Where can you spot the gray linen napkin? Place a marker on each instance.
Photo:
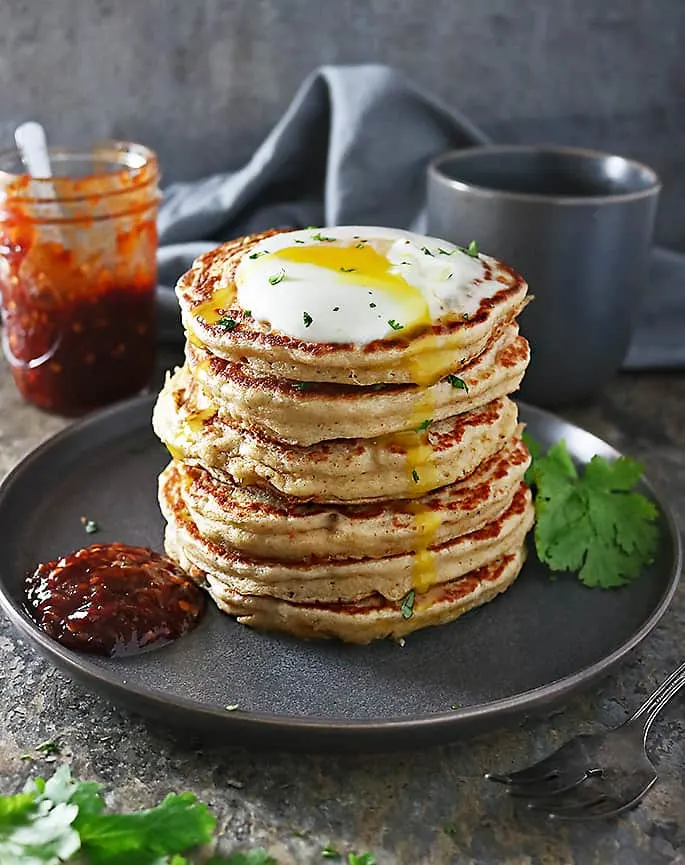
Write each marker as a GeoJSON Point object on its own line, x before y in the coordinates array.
{"type": "Point", "coordinates": [352, 148]}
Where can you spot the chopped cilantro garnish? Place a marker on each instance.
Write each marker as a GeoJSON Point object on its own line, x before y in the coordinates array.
{"type": "Point", "coordinates": [394, 325]}
{"type": "Point", "coordinates": [306, 317]}
{"type": "Point", "coordinates": [445, 251]}
{"type": "Point", "coordinates": [424, 425]}
{"type": "Point", "coordinates": [297, 240]}
{"type": "Point", "coordinates": [592, 522]}
{"type": "Point", "coordinates": [372, 305]}
{"type": "Point", "coordinates": [471, 249]}
{"type": "Point", "coordinates": [426, 251]}
{"type": "Point", "coordinates": [348, 269]}
{"type": "Point", "coordinates": [457, 382]}
{"type": "Point", "coordinates": [258, 254]}
{"type": "Point", "coordinates": [329, 852]}
{"type": "Point", "coordinates": [361, 244]}
{"type": "Point", "coordinates": [322, 238]}
{"type": "Point", "coordinates": [227, 323]}
{"type": "Point", "coordinates": [277, 277]}
{"type": "Point", "coordinates": [407, 605]}
{"type": "Point", "coordinates": [415, 475]}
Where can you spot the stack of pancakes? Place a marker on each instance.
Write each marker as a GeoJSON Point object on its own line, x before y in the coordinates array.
{"type": "Point", "coordinates": [345, 489]}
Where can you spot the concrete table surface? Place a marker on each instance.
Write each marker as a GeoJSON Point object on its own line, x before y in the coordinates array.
{"type": "Point", "coordinates": [412, 808]}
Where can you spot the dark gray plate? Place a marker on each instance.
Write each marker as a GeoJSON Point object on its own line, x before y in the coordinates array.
{"type": "Point", "coordinates": [531, 647]}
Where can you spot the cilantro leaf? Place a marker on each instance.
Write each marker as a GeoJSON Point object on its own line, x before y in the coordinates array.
{"type": "Point", "coordinates": [35, 830]}
{"type": "Point", "coordinates": [361, 859]}
{"type": "Point", "coordinates": [458, 382]}
{"type": "Point", "coordinates": [177, 824]}
{"type": "Point", "coordinates": [14, 809]}
{"type": "Point", "coordinates": [593, 522]}
{"type": "Point", "coordinates": [407, 605]}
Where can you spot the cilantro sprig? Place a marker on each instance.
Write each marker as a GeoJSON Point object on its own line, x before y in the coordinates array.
{"type": "Point", "coordinates": [591, 522]}
{"type": "Point", "coordinates": [65, 820]}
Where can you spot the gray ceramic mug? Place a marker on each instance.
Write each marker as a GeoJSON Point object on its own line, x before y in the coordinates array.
{"type": "Point", "coordinates": [577, 224]}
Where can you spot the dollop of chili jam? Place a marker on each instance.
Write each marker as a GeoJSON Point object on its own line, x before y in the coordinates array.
{"type": "Point", "coordinates": [113, 599]}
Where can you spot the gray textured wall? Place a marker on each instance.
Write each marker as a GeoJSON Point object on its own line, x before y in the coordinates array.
{"type": "Point", "coordinates": [202, 81]}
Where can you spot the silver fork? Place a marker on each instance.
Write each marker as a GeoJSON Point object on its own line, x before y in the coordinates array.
{"type": "Point", "coordinates": [596, 775]}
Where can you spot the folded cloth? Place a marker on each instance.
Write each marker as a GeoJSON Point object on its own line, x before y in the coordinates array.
{"type": "Point", "coordinates": [352, 148]}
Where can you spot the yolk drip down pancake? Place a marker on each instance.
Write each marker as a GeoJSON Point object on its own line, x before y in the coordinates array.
{"type": "Point", "coordinates": [346, 461]}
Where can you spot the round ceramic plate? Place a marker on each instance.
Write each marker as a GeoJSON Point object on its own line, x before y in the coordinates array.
{"type": "Point", "coordinates": [529, 648]}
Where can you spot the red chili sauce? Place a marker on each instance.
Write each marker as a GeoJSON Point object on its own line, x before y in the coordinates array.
{"type": "Point", "coordinates": [78, 340]}
{"type": "Point", "coordinates": [78, 307]}
{"type": "Point", "coordinates": [113, 599]}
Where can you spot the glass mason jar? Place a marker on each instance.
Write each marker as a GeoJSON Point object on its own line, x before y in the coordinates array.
{"type": "Point", "coordinates": [78, 275]}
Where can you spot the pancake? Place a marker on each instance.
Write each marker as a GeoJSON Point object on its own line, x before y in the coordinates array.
{"type": "Point", "coordinates": [353, 470]}
{"type": "Point", "coordinates": [262, 524]}
{"type": "Point", "coordinates": [346, 460]}
{"type": "Point", "coordinates": [372, 618]}
{"type": "Point", "coordinates": [322, 579]}
{"type": "Point", "coordinates": [315, 413]}
{"type": "Point", "coordinates": [207, 292]}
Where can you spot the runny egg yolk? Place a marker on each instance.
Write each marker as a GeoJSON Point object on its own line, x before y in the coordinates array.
{"type": "Point", "coordinates": [422, 476]}
{"type": "Point", "coordinates": [361, 262]}
{"type": "Point", "coordinates": [210, 311]}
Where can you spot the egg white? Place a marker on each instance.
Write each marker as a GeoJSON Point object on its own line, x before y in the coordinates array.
{"type": "Point", "coordinates": [412, 281]}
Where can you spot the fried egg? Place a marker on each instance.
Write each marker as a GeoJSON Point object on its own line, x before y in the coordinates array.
{"type": "Point", "coordinates": [357, 284]}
